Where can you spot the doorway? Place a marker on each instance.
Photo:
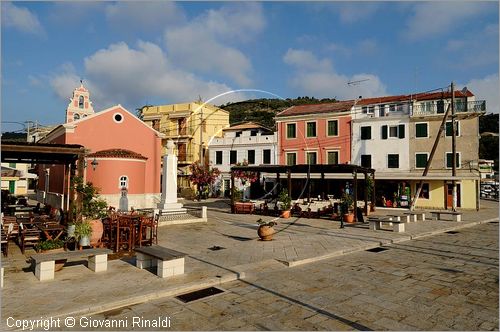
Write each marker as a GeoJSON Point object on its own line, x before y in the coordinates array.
{"type": "Point", "coordinates": [449, 195]}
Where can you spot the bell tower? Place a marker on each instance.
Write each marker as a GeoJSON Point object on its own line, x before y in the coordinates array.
{"type": "Point", "coordinates": [80, 105]}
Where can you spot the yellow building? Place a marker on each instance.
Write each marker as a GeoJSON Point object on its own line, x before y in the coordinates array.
{"type": "Point", "coordinates": [15, 178]}
{"type": "Point", "coordinates": [191, 126]}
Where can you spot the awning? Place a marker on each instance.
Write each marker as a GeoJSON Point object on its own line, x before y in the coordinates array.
{"type": "Point", "coordinates": [8, 172]}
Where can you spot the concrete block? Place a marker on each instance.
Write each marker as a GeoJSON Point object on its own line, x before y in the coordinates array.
{"type": "Point", "coordinates": [99, 258]}
{"type": "Point", "coordinates": [45, 270]}
{"type": "Point", "coordinates": [398, 227]}
{"type": "Point", "coordinates": [374, 225]}
{"type": "Point", "coordinates": [164, 272]}
{"type": "Point", "coordinates": [143, 261]}
{"type": "Point", "coordinates": [98, 267]}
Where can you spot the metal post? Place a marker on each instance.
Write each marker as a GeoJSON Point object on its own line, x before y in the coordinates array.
{"type": "Point", "coordinates": [453, 148]}
{"type": "Point", "coordinates": [355, 193]}
{"type": "Point", "coordinates": [232, 191]}
{"type": "Point", "coordinates": [366, 194]}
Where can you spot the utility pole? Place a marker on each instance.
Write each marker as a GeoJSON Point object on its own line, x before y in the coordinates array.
{"type": "Point", "coordinates": [202, 160]}
{"type": "Point", "coordinates": [453, 148]}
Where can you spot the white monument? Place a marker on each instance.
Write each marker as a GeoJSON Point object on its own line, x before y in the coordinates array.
{"type": "Point", "coordinates": [169, 183]}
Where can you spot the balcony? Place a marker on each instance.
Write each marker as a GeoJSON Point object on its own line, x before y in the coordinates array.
{"type": "Point", "coordinates": [478, 106]}
{"type": "Point", "coordinates": [185, 158]}
{"type": "Point", "coordinates": [182, 132]}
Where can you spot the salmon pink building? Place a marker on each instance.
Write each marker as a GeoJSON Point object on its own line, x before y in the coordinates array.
{"type": "Point", "coordinates": [124, 155]}
{"type": "Point", "coordinates": [315, 134]}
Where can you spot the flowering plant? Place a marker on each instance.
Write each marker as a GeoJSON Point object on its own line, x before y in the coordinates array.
{"type": "Point", "coordinates": [245, 175]}
{"type": "Point", "coordinates": [202, 175]}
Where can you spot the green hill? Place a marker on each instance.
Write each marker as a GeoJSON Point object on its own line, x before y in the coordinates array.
{"type": "Point", "coordinates": [263, 110]}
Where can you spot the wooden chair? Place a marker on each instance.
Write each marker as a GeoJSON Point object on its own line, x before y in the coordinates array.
{"type": "Point", "coordinates": [148, 231]}
{"type": "Point", "coordinates": [4, 242]}
{"type": "Point", "coordinates": [125, 231]}
{"type": "Point", "coordinates": [28, 237]}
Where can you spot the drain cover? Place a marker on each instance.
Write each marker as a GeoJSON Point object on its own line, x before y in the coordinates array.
{"type": "Point", "coordinates": [494, 222]}
{"type": "Point", "coordinates": [378, 249]}
{"type": "Point", "coordinates": [452, 232]}
{"type": "Point", "coordinates": [214, 248]}
{"type": "Point", "coordinates": [199, 294]}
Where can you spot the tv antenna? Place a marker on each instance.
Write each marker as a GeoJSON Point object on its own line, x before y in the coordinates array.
{"type": "Point", "coordinates": [354, 83]}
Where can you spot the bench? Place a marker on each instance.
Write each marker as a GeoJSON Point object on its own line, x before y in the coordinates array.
{"type": "Point", "coordinates": [414, 216]}
{"type": "Point", "coordinates": [45, 263]}
{"type": "Point", "coordinates": [240, 207]}
{"type": "Point", "coordinates": [399, 217]}
{"type": "Point", "coordinates": [168, 262]}
{"type": "Point", "coordinates": [376, 223]}
{"type": "Point", "coordinates": [456, 216]}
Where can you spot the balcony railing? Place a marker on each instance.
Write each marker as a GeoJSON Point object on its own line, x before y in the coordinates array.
{"type": "Point", "coordinates": [185, 157]}
{"type": "Point", "coordinates": [184, 131]}
{"type": "Point", "coordinates": [478, 106]}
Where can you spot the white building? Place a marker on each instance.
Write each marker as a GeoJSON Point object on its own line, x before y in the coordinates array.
{"type": "Point", "coordinates": [247, 142]}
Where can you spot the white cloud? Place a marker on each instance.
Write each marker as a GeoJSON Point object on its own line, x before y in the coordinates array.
{"type": "Point", "coordinates": [131, 77]}
{"type": "Point", "coordinates": [204, 43]}
{"type": "Point", "coordinates": [486, 89]}
{"type": "Point", "coordinates": [432, 19]}
{"type": "Point", "coordinates": [317, 77]}
{"type": "Point", "coordinates": [144, 16]}
{"type": "Point", "coordinates": [21, 18]}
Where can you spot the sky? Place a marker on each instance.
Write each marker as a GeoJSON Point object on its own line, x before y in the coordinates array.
{"type": "Point", "coordinates": [152, 53]}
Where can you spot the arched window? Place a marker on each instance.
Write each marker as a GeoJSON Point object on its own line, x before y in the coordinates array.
{"type": "Point", "coordinates": [80, 102]}
{"type": "Point", "coordinates": [123, 183]}
{"type": "Point", "coordinates": [76, 116]}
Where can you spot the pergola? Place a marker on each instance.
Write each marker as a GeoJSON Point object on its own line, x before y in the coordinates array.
{"type": "Point", "coordinates": [347, 171]}
{"type": "Point", "coordinates": [71, 155]}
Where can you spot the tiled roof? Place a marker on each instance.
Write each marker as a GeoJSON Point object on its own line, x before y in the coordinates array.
{"type": "Point", "coordinates": [117, 153]}
{"type": "Point", "coordinates": [246, 125]}
{"type": "Point", "coordinates": [340, 106]}
{"type": "Point", "coordinates": [417, 96]}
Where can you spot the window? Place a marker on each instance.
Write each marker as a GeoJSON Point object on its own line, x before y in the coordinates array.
{"type": "Point", "coordinates": [449, 161]}
{"type": "Point", "coordinates": [118, 118]}
{"type": "Point", "coordinates": [393, 161]}
{"type": "Point", "coordinates": [251, 157]}
{"type": "Point", "coordinates": [12, 165]}
{"type": "Point", "coordinates": [253, 133]}
{"type": "Point", "coordinates": [80, 102]}
{"type": "Point", "coordinates": [421, 130]}
{"type": "Point", "coordinates": [364, 109]}
{"type": "Point", "coordinates": [311, 158]}
{"type": "Point", "coordinates": [156, 125]}
{"type": "Point", "coordinates": [333, 127]}
{"type": "Point", "coordinates": [332, 157]}
{"type": "Point", "coordinates": [232, 157]}
{"type": "Point", "coordinates": [425, 192]}
{"type": "Point", "coordinates": [123, 182]}
{"type": "Point", "coordinates": [381, 110]}
{"type": "Point", "coordinates": [218, 157]}
{"type": "Point", "coordinates": [366, 132]}
{"type": "Point", "coordinates": [291, 130]}
{"type": "Point", "coordinates": [366, 160]}
{"type": "Point", "coordinates": [76, 116]}
{"type": "Point", "coordinates": [449, 131]}
{"type": "Point", "coordinates": [440, 106]}
{"type": "Point", "coordinates": [311, 129]}
{"type": "Point", "coordinates": [291, 158]}
{"type": "Point", "coordinates": [392, 108]}
{"type": "Point", "coordinates": [426, 107]}
{"type": "Point", "coordinates": [393, 131]}
{"type": "Point", "coordinates": [421, 160]}
{"type": "Point", "coordinates": [266, 157]}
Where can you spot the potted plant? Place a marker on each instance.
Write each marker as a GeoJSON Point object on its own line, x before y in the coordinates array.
{"type": "Point", "coordinates": [346, 205]}
{"type": "Point", "coordinates": [265, 230]}
{"type": "Point", "coordinates": [52, 246]}
{"type": "Point", "coordinates": [83, 231]}
{"type": "Point", "coordinates": [286, 203]}
{"type": "Point", "coordinates": [93, 210]}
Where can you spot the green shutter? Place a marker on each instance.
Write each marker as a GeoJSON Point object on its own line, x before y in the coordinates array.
{"type": "Point", "coordinates": [401, 131]}
{"type": "Point", "coordinates": [384, 132]}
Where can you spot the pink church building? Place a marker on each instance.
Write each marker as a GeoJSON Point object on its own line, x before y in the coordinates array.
{"type": "Point", "coordinates": [123, 152]}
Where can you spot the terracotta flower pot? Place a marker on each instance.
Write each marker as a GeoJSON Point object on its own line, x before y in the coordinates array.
{"type": "Point", "coordinates": [285, 214]}
{"type": "Point", "coordinates": [97, 231]}
{"type": "Point", "coordinates": [265, 232]}
{"type": "Point", "coordinates": [348, 217]}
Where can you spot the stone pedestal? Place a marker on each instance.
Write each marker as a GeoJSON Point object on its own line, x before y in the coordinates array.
{"type": "Point", "coordinates": [169, 184]}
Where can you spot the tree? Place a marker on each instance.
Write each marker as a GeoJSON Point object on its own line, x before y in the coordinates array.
{"type": "Point", "coordinates": [203, 177]}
